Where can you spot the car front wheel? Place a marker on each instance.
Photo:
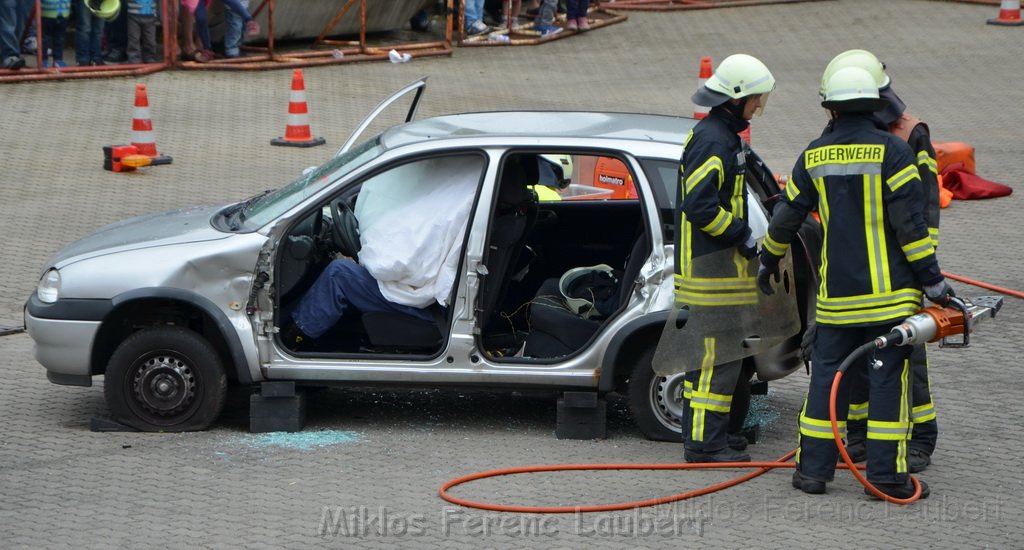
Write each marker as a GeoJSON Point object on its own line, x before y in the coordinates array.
{"type": "Point", "coordinates": [165, 379]}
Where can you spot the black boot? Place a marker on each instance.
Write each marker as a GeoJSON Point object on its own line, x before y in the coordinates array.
{"type": "Point", "coordinates": [900, 490]}
{"type": "Point", "coordinates": [723, 455]}
{"type": "Point", "coordinates": [737, 442]}
{"type": "Point", "coordinates": [918, 461]}
{"type": "Point", "coordinates": [808, 485]}
{"type": "Point", "coordinates": [857, 449]}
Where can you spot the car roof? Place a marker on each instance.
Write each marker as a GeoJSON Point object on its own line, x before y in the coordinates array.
{"type": "Point", "coordinates": [549, 124]}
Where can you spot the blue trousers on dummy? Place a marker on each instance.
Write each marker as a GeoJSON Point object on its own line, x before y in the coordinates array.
{"type": "Point", "coordinates": [344, 284]}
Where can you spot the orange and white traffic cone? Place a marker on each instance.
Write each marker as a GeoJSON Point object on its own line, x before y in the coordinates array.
{"type": "Point", "coordinates": [297, 132]}
{"type": "Point", "coordinates": [700, 111]}
{"type": "Point", "coordinates": [1009, 14]}
{"type": "Point", "coordinates": [142, 127]}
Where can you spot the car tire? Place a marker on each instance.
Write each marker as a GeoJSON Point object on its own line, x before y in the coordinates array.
{"type": "Point", "coordinates": [656, 401]}
{"type": "Point", "coordinates": [166, 379]}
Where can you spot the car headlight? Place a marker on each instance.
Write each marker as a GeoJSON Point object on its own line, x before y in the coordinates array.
{"type": "Point", "coordinates": [48, 290]}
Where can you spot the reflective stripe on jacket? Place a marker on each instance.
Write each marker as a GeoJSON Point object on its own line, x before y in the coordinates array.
{"type": "Point", "coordinates": [877, 252]}
{"type": "Point", "coordinates": [711, 210]}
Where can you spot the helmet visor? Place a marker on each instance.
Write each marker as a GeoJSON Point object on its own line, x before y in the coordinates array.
{"type": "Point", "coordinates": [762, 104]}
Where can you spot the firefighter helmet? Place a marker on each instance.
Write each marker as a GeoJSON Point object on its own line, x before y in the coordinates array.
{"type": "Point", "coordinates": [852, 89]}
{"type": "Point", "coordinates": [856, 58]}
{"type": "Point", "coordinates": [738, 76]}
{"type": "Point", "coordinates": [104, 9]}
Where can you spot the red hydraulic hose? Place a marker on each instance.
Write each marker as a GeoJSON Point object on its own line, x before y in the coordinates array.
{"type": "Point", "coordinates": [982, 284]}
{"type": "Point", "coordinates": [849, 462]}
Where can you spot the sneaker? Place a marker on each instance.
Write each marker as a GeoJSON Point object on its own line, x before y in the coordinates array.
{"type": "Point", "coordinates": [583, 23]}
{"type": "Point", "coordinates": [14, 62]}
{"type": "Point", "coordinates": [60, 64]}
{"type": "Point", "coordinates": [857, 450]}
{"type": "Point", "coordinates": [30, 45]}
{"type": "Point", "coordinates": [252, 28]}
{"type": "Point", "coordinates": [918, 461]}
{"type": "Point", "coordinates": [808, 485]}
{"type": "Point", "coordinates": [724, 455]}
{"type": "Point", "coordinates": [115, 56]}
{"type": "Point", "coordinates": [899, 490]}
{"type": "Point", "coordinates": [571, 25]}
{"type": "Point", "coordinates": [547, 30]}
{"type": "Point", "coordinates": [478, 27]}
{"type": "Point", "coordinates": [736, 441]}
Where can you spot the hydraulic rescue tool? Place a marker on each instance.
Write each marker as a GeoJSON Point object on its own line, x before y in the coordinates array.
{"type": "Point", "coordinates": [931, 324]}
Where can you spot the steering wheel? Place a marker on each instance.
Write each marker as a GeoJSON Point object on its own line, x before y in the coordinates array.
{"type": "Point", "coordinates": [345, 228]}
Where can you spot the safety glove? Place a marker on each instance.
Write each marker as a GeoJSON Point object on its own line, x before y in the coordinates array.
{"type": "Point", "coordinates": [748, 249]}
{"type": "Point", "coordinates": [769, 269]}
{"type": "Point", "coordinates": [940, 293]}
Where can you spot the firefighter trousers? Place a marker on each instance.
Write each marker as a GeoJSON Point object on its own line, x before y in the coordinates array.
{"type": "Point", "coordinates": [707, 401]}
{"type": "Point", "coordinates": [922, 414]}
{"type": "Point", "coordinates": [888, 424]}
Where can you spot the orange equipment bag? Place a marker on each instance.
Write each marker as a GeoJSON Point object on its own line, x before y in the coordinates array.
{"type": "Point", "coordinates": [952, 152]}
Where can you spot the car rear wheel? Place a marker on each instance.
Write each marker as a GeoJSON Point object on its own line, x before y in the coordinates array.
{"type": "Point", "coordinates": [657, 401]}
{"type": "Point", "coordinates": [165, 379]}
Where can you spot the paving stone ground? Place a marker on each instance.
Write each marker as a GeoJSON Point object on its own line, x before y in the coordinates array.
{"type": "Point", "coordinates": [365, 472]}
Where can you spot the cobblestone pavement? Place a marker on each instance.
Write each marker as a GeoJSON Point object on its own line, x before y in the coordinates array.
{"type": "Point", "coordinates": [365, 472]}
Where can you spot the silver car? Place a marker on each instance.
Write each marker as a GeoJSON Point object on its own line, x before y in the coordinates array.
{"type": "Point", "coordinates": [172, 308]}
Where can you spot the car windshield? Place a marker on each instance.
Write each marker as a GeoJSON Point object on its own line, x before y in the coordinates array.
{"type": "Point", "coordinates": [263, 209]}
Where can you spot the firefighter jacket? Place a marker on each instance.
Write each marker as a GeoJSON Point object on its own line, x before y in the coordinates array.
{"type": "Point", "coordinates": [711, 210]}
{"type": "Point", "coordinates": [876, 252]}
{"type": "Point", "coordinates": [916, 134]}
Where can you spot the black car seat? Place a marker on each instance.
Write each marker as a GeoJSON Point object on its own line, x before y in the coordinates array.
{"type": "Point", "coordinates": [515, 215]}
{"type": "Point", "coordinates": [555, 330]}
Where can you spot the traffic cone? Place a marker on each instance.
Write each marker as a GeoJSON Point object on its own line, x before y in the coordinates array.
{"type": "Point", "coordinates": [297, 133]}
{"type": "Point", "coordinates": [142, 127]}
{"type": "Point", "coordinates": [700, 111]}
{"type": "Point", "coordinates": [1009, 14]}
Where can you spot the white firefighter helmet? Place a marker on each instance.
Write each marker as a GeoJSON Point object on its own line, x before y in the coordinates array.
{"type": "Point", "coordinates": [738, 76]}
{"type": "Point", "coordinates": [856, 58]}
{"type": "Point", "coordinates": [852, 89]}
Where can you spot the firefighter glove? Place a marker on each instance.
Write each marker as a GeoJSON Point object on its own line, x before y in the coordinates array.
{"type": "Point", "coordinates": [769, 269]}
{"type": "Point", "coordinates": [748, 249]}
{"type": "Point", "coordinates": [939, 293]}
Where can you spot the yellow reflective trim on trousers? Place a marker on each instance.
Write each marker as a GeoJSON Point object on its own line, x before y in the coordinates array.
{"type": "Point", "coordinates": [926, 160]}
{"type": "Point", "coordinates": [922, 413]}
{"type": "Point", "coordinates": [718, 225]}
{"type": "Point", "coordinates": [774, 247]}
{"type": "Point", "coordinates": [887, 430]}
{"type": "Point", "coordinates": [874, 228]}
{"type": "Point", "coordinates": [698, 175]}
{"type": "Point", "coordinates": [707, 370]}
{"type": "Point", "coordinates": [902, 177]}
{"type": "Point", "coordinates": [819, 429]}
{"type": "Point", "coordinates": [858, 411]}
{"type": "Point", "coordinates": [711, 401]}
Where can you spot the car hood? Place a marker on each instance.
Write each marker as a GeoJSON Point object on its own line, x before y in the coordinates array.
{"type": "Point", "coordinates": [167, 228]}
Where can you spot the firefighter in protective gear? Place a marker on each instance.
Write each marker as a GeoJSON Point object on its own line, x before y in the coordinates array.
{"type": "Point", "coordinates": [875, 259]}
{"type": "Point", "coordinates": [915, 133]}
{"type": "Point", "coordinates": [712, 212]}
